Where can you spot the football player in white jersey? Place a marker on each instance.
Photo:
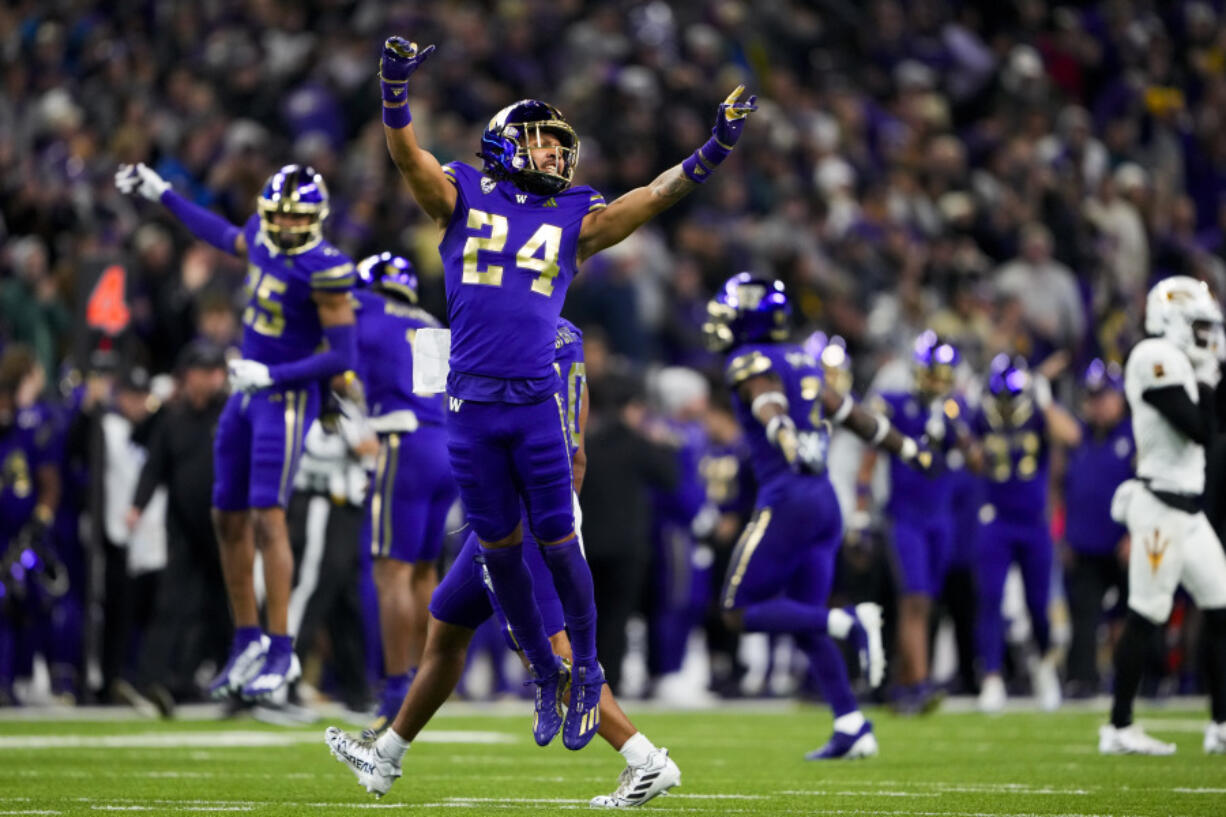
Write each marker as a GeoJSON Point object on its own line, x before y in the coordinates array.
{"type": "Point", "coordinates": [1169, 380]}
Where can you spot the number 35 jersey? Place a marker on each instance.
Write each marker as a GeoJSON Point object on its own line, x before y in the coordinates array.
{"type": "Point", "coordinates": [802, 382]}
{"type": "Point", "coordinates": [508, 258]}
{"type": "Point", "coordinates": [280, 320]}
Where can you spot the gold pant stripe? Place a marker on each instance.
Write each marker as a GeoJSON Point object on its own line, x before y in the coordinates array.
{"type": "Point", "coordinates": [291, 424]}
{"type": "Point", "coordinates": [389, 490]}
{"type": "Point", "coordinates": [376, 500]}
{"type": "Point", "coordinates": [750, 539]}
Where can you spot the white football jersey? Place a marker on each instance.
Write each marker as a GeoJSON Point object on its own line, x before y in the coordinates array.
{"type": "Point", "coordinates": [1168, 458]}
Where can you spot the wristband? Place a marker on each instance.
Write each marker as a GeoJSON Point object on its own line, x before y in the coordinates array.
{"type": "Point", "coordinates": [702, 163]}
{"type": "Point", "coordinates": [844, 409]}
{"type": "Point", "coordinates": [766, 399]}
{"type": "Point", "coordinates": [395, 94]}
{"type": "Point", "coordinates": [883, 428]}
{"type": "Point", "coordinates": [908, 449]}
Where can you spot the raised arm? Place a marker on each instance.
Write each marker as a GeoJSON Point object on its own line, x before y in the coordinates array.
{"type": "Point", "coordinates": [204, 225]}
{"type": "Point", "coordinates": [430, 188]}
{"type": "Point", "coordinates": [608, 226]}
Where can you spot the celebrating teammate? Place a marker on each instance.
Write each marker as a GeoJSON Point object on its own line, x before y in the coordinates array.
{"type": "Point", "coordinates": [1169, 381]}
{"type": "Point", "coordinates": [298, 296]}
{"type": "Point", "coordinates": [514, 235]}
{"type": "Point", "coordinates": [1016, 425]}
{"type": "Point", "coordinates": [782, 570]}
{"type": "Point", "coordinates": [920, 508]}
{"type": "Point", "coordinates": [464, 601]}
{"type": "Point", "coordinates": [407, 504]}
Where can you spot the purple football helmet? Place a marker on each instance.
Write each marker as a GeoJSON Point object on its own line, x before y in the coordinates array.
{"type": "Point", "coordinates": [934, 360]}
{"type": "Point", "coordinates": [389, 273]}
{"type": "Point", "coordinates": [1009, 388]}
{"type": "Point", "coordinates": [517, 130]}
{"type": "Point", "coordinates": [1101, 376]}
{"type": "Point", "coordinates": [294, 190]}
{"type": "Point", "coordinates": [747, 308]}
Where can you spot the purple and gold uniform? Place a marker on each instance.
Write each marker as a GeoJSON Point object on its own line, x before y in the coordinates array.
{"type": "Point", "coordinates": [465, 596]}
{"type": "Point", "coordinates": [259, 436]}
{"type": "Point", "coordinates": [25, 446]}
{"type": "Point", "coordinates": [508, 257]}
{"type": "Point", "coordinates": [1013, 521]}
{"type": "Point", "coordinates": [921, 505]}
{"type": "Point", "coordinates": [412, 488]}
{"type": "Point", "coordinates": [789, 545]}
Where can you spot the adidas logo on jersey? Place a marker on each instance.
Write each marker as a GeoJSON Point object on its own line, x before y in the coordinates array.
{"type": "Point", "coordinates": [551, 202]}
{"type": "Point", "coordinates": [455, 402]}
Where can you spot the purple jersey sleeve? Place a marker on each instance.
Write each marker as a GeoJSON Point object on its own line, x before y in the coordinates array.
{"type": "Point", "coordinates": [281, 320]}
{"type": "Point", "coordinates": [508, 258]}
{"type": "Point", "coordinates": [387, 329]}
{"type": "Point", "coordinates": [801, 379]}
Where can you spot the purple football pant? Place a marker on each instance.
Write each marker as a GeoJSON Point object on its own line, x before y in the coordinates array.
{"type": "Point", "coordinates": [671, 613]}
{"type": "Point", "coordinates": [409, 497]}
{"type": "Point", "coordinates": [502, 451]}
{"type": "Point", "coordinates": [465, 596]}
{"type": "Point", "coordinates": [1001, 543]}
{"type": "Point", "coordinates": [257, 447]}
{"type": "Point", "coordinates": [922, 549]}
{"type": "Point", "coordinates": [787, 552]}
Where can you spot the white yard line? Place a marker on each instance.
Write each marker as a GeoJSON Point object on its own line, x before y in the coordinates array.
{"type": "Point", "coordinates": [224, 739]}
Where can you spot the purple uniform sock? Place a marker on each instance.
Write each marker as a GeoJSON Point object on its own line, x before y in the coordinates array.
{"type": "Point", "coordinates": [831, 671]}
{"type": "Point", "coordinates": [783, 615]}
{"type": "Point", "coordinates": [513, 589]}
{"type": "Point", "coordinates": [573, 579]}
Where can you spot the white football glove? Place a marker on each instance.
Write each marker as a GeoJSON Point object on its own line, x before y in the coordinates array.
{"type": "Point", "coordinates": [248, 376]}
{"type": "Point", "coordinates": [141, 179]}
{"type": "Point", "coordinates": [1208, 369]}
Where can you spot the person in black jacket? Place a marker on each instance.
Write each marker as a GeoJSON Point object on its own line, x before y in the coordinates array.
{"type": "Point", "coordinates": [623, 465]}
{"type": "Point", "coordinates": [191, 620]}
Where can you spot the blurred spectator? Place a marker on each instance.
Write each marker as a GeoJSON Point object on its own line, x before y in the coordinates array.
{"type": "Point", "coordinates": [190, 622]}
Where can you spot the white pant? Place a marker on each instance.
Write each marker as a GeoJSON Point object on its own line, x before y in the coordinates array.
{"type": "Point", "coordinates": [1169, 547]}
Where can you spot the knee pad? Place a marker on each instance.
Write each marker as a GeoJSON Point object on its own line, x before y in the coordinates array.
{"type": "Point", "coordinates": [553, 526]}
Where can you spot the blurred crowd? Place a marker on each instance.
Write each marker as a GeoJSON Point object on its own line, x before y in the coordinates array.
{"type": "Point", "coordinates": [1013, 175]}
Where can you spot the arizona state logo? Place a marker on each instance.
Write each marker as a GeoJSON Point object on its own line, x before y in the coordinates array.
{"type": "Point", "coordinates": [1155, 548]}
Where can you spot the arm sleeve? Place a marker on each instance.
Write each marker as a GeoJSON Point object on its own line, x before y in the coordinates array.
{"type": "Point", "coordinates": [204, 225]}
{"type": "Point", "coordinates": [1176, 406]}
{"type": "Point", "coordinates": [341, 354]}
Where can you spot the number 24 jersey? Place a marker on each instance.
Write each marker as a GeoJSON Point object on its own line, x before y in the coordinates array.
{"type": "Point", "coordinates": [508, 258]}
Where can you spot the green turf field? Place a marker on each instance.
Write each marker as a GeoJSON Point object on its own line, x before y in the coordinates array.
{"type": "Point", "coordinates": [733, 762]}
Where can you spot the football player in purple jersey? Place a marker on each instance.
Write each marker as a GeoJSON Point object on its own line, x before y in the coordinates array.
{"type": "Point", "coordinates": [920, 506]}
{"type": "Point", "coordinates": [298, 331]}
{"type": "Point", "coordinates": [412, 490]}
{"type": "Point", "coordinates": [514, 234]}
{"type": "Point", "coordinates": [465, 600]}
{"type": "Point", "coordinates": [1016, 425]}
{"type": "Point", "coordinates": [782, 570]}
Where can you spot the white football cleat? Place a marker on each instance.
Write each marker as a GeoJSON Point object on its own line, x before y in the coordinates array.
{"type": "Point", "coordinates": [375, 772]}
{"type": "Point", "coordinates": [1131, 740]}
{"type": "Point", "coordinates": [992, 695]}
{"type": "Point", "coordinates": [1046, 683]}
{"type": "Point", "coordinates": [1215, 739]}
{"type": "Point", "coordinates": [637, 785]}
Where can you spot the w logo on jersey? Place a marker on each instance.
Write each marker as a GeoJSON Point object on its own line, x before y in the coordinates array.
{"type": "Point", "coordinates": [1155, 548]}
{"type": "Point", "coordinates": [455, 403]}
{"type": "Point", "coordinates": [521, 198]}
